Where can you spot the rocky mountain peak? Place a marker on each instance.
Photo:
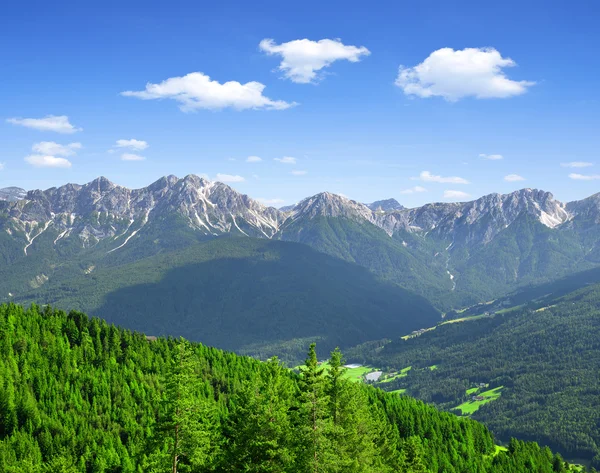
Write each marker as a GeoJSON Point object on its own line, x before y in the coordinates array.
{"type": "Point", "coordinates": [326, 204]}
{"type": "Point", "coordinates": [12, 194]}
{"type": "Point", "coordinates": [387, 205]}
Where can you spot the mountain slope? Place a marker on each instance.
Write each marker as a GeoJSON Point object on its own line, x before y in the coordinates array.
{"type": "Point", "coordinates": [79, 395]}
{"type": "Point", "coordinates": [544, 353]}
{"type": "Point", "coordinates": [253, 296]}
{"type": "Point", "coordinates": [455, 254]}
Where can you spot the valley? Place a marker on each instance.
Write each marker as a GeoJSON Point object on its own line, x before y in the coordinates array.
{"type": "Point", "coordinates": [427, 302]}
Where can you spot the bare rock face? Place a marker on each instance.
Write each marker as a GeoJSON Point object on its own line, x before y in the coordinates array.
{"type": "Point", "coordinates": [386, 205]}
{"type": "Point", "coordinates": [12, 194]}
{"type": "Point", "coordinates": [326, 204]}
{"type": "Point", "coordinates": [101, 210]}
{"type": "Point", "coordinates": [478, 221]}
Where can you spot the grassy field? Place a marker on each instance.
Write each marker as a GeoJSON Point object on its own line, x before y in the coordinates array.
{"type": "Point", "coordinates": [469, 407]}
{"type": "Point", "coordinates": [356, 374]}
{"type": "Point", "coordinates": [403, 372]}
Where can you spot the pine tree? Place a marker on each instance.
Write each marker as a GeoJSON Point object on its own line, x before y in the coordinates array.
{"type": "Point", "coordinates": [412, 456]}
{"type": "Point", "coordinates": [352, 434]}
{"type": "Point", "coordinates": [259, 428]}
{"type": "Point", "coordinates": [186, 430]}
{"type": "Point", "coordinates": [313, 422]}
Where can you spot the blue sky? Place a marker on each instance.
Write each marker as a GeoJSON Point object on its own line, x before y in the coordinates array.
{"type": "Point", "coordinates": [336, 103]}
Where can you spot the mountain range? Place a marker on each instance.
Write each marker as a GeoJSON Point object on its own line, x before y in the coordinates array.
{"type": "Point", "coordinates": [453, 254]}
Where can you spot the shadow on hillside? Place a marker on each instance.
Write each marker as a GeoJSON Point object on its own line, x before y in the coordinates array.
{"type": "Point", "coordinates": [262, 301]}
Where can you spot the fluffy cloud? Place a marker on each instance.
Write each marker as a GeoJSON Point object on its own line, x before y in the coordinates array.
{"type": "Point", "coordinates": [196, 91]}
{"type": "Point", "coordinates": [229, 178]}
{"type": "Point", "coordinates": [253, 159]}
{"type": "Point", "coordinates": [49, 154]}
{"type": "Point", "coordinates": [59, 124]}
{"type": "Point", "coordinates": [453, 75]}
{"type": "Point", "coordinates": [426, 176]}
{"type": "Point", "coordinates": [584, 177]}
{"type": "Point", "coordinates": [286, 160]}
{"type": "Point", "coordinates": [43, 161]}
{"type": "Point", "coordinates": [413, 190]}
{"type": "Point", "coordinates": [302, 59]}
{"type": "Point", "coordinates": [54, 149]}
{"type": "Point", "coordinates": [137, 145]}
{"type": "Point", "coordinates": [576, 164]}
{"type": "Point", "coordinates": [270, 202]}
{"type": "Point", "coordinates": [513, 178]}
{"type": "Point", "coordinates": [299, 173]}
{"type": "Point", "coordinates": [455, 195]}
{"type": "Point", "coordinates": [132, 157]}
{"type": "Point", "coordinates": [491, 157]}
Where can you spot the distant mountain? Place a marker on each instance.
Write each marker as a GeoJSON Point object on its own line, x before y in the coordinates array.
{"type": "Point", "coordinates": [254, 296]}
{"type": "Point", "coordinates": [385, 205]}
{"type": "Point", "coordinates": [12, 193]}
{"type": "Point", "coordinates": [452, 253]}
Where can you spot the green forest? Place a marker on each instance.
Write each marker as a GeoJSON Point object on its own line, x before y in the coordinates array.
{"type": "Point", "coordinates": [257, 297]}
{"type": "Point", "coordinates": [545, 354]}
{"type": "Point", "coordinates": [81, 395]}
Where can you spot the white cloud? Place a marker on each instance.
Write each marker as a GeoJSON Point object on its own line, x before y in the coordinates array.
{"type": "Point", "coordinates": [286, 160]}
{"type": "Point", "coordinates": [513, 178]}
{"type": "Point", "coordinates": [426, 176]}
{"type": "Point", "coordinates": [576, 164]}
{"type": "Point", "coordinates": [132, 157]}
{"type": "Point", "coordinates": [59, 124]}
{"type": "Point", "coordinates": [491, 157]}
{"type": "Point", "coordinates": [299, 173]}
{"type": "Point", "coordinates": [54, 149]}
{"type": "Point", "coordinates": [584, 177]}
{"type": "Point", "coordinates": [253, 159]}
{"type": "Point", "coordinates": [196, 91]}
{"type": "Point", "coordinates": [2, 166]}
{"type": "Point", "coordinates": [270, 201]}
{"type": "Point", "coordinates": [49, 154]}
{"type": "Point", "coordinates": [229, 178]}
{"type": "Point", "coordinates": [455, 195]}
{"type": "Point", "coordinates": [43, 161]}
{"type": "Point", "coordinates": [303, 58]}
{"type": "Point", "coordinates": [470, 72]}
{"type": "Point", "coordinates": [413, 190]}
{"type": "Point", "coordinates": [137, 145]}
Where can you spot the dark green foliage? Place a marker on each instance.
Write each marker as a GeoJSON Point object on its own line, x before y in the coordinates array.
{"type": "Point", "coordinates": [545, 354]}
{"type": "Point", "coordinates": [415, 268]}
{"type": "Point", "coordinates": [79, 395]}
{"type": "Point", "coordinates": [249, 295]}
{"type": "Point", "coordinates": [259, 428]}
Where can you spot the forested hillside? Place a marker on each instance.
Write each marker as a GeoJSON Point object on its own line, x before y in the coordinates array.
{"type": "Point", "coordinates": [543, 356]}
{"type": "Point", "coordinates": [254, 296]}
{"type": "Point", "coordinates": [79, 395]}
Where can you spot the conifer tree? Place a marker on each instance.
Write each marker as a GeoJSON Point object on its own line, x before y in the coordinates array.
{"type": "Point", "coordinates": [187, 425]}
{"type": "Point", "coordinates": [259, 428]}
{"type": "Point", "coordinates": [313, 422]}
{"type": "Point", "coordinates": [352, 434]}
